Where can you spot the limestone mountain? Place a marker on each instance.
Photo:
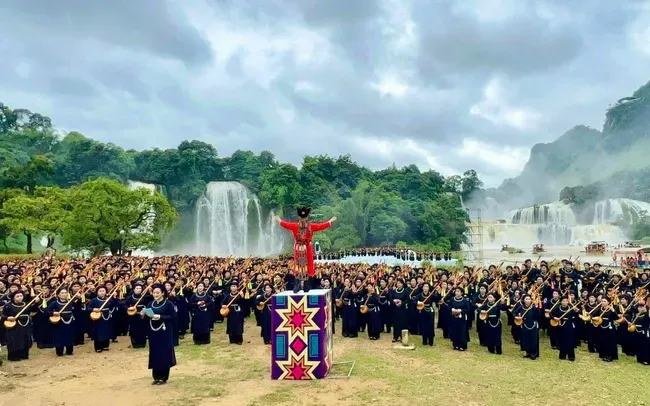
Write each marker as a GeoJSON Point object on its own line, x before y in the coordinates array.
{"type": "Point", "coordinates": [583, 156]}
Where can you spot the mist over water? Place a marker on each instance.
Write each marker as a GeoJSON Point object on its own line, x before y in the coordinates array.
{"type": "Point", "coordinates": [229, 221]}
{"type": "Point", "coordinates": [558, 223]}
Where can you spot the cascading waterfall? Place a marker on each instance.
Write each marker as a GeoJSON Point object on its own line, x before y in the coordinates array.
{"type": "Point", "coordinates": [526, 235]}
{"type": "Point", "coordinates": [133, 185]}
{"type": "Point", "coordinates": [148, 224]}
{"type": "Point", "coordinates": [612, 210]}
{"type": "Point", "coordinates": [552, 213]}
{"type": "Point", "coordinates": [229, 222]}
{"type": "Point", "coordinates": [556, 224]}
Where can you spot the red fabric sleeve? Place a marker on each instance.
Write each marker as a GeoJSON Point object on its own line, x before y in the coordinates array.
{"type": "Point", "coordinates": [320, 226]}
{"type": "Point", "coordinates": [289, 225]}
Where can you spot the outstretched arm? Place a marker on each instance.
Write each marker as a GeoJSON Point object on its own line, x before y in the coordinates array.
{"type": "Point", "coordinates": [286, 224]}
{"type": "Point", "coordinates": [322, 226]}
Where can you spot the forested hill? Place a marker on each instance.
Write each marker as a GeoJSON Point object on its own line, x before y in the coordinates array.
{"type": "Point", "coordinates": [382, 207]}
{"type": "Point", "coordinates": [615, 156]}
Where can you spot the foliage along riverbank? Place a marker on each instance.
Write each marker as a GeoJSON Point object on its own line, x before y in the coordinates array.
{"type": "Point", "coordinates": [374, 207]}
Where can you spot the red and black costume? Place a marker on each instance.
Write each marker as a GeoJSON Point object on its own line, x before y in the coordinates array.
{"type": "Point", "coordinates": [303, 252]}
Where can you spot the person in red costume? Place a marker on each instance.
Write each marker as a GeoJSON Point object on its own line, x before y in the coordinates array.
{"type": "Point", "coordinates": [303, 253]}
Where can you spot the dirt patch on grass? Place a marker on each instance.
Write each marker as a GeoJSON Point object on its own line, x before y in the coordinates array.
{"type": "Point", "coordinates": [223, 374]}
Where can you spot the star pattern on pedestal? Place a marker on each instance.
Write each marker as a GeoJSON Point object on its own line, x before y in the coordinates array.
{"type": "Point", "coordinates": [297, 319]}
{"type": "Point", "coordinates": [297, 368]}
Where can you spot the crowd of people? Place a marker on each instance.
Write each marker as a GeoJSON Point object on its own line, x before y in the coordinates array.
{"type": "Point", "coordinates": [403, 253]}
{"type": "Point", "coordinates": [60, 304]}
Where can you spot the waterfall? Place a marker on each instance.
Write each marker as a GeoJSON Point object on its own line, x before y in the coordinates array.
{"type": "Point", "coordinates": [556, 224]}
{"type": "Point", "coordinates": [612, 210]}
{"type": "Point", "coordinates": [148, 224]}
{"type": "Point", "coordinates": [133, 185]}
{"type": "Point", "coordinates": [229, 222]}
{"type": "Point", "coordinates": [552, 213]}
{"type": "Point", "coordinates": [526, 235]}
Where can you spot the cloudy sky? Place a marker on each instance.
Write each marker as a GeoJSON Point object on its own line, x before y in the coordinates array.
{"type": "Point", "coordinates": [444, 84]}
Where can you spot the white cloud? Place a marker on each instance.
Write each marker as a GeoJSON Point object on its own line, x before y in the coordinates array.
{"type": "Point", "coordinates": [510, 159]}
{"type": "Point", "coordinates": [496, 108]}
{"type": "Point", "coordinates": [441, 84]}
{"type": "Point", "coordinates": [639, 30]}
{"type": "Point", "coordinates": [391, 86]}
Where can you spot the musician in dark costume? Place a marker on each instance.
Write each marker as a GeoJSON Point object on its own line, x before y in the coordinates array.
{"type": "Point", "coordinates": [460, 308]}
{"type": "Point", "coordinates": [5, 298]}
{"type": "Point", "coordinates": [411, 309]}
{"type": "Point", "coordinates": [493, 328]}
{"type": "Point", "coordinates": [235, 324]}
{"type": "Point", "coordinates": [183, 314]}
{"type": "Point", "coordinates": [80, 314]}
{"type": "Point", "coordinates": [374, 313]}
{"type": "Point", "coordinates": [171, 297]}
{"type": "Point", "coordinates": [529, 315]}
{"type": "Point", "coordinates": [349, 312]}
{"type": "Point", "coordinates": [258, 290]}
{"type": "Point", "coordinates": [43, 334]}
{"type": "Point", "coordinates": [199, 306]}
{"type": "Point", "coordinates": [19, 337]}
{"type": "Point", "coordinates": [591, 307]}
{"type": "Point", "coordinates": [265, 314]}
{"type": "Point", "coordinates": [641, 331]}
{"type": "Point", "coordinates": [303, 252]}
{"type": "Point", "coordinates": [480, 299]}
{"type": "Point", "coordinates": [218, 292]}
{"type": "Point", "coordinates": [550, 306]}
{"type": "Point", "coordinates": [567, 332]}
{"type": "Point", "coordinates": [113, 306]}
{"type": "Point", "coordinates": [515, 330]}
{"type": "Point", "coordinates": [444, 313]}
{"type": "Point", "coordinates": [426, 300]}
{"type": "Point", "coordinates": [385, 306]}
{"type": "Point", "coordinates": [102, 328]}
{"type": "Point", "coordinates": [607, 347]}
{"type": "Point", "coordinates": [137, 325]}
{"type": "Point", "coordinates": [162, 356]}
{"type": "Point", "coordinates": [64, 329]}
{"type": "Point", "coordinates": [399, 298]}
{"type": "Point", "coordinates": [360, 299]}
{"type": "Point", "coordinates": [624, 337]}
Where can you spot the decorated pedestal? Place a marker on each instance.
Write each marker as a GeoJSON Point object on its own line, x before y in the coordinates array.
{"type": "Point", "coordinates": [301, 335]}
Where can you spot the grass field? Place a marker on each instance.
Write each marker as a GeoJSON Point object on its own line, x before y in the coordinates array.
{"type": "Point", "coordinates": [239, 375]}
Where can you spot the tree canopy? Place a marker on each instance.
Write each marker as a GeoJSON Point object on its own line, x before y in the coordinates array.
{"type": "Point", "coordinates": [106, 215]}
{"type": "Point", "coordinates": [388, 206]}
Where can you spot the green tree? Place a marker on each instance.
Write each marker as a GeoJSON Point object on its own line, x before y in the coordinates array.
{"type": "Point", "coordinates": [444, 220]}
{"type": "Point", "coordinates": [38, 171]}
{"type": "Point", "coordinates": [382, 207]}
{"type": "Point", "coordinates": [281, 186]}
{"type": "Point", "coordinates": [42, 212]}
{"type": "Point", "coordinates": [5, 230]}
{"type": "Point", "coordinates": [470, 183]}
{"type": "Point", "coordinates": [198, 160]}
{"type": "Point", "coordinates": [107, 216]}
{"type": "Point", "coordinates": [371, 215]}
{"type": "Point", "coordinates": [386, 229]}
{"type": "Point", "coordinates": [81, 158]}
{"type": "Point", "coordinates": [454, 184]}
{"type": "Point", "coordinates": [57, 214]}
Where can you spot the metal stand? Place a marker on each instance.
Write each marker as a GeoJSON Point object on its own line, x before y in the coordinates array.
{"type": "Point", "coordinates": [342, 376]}
{"type": "Point", "coordinates": [474, 223]}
